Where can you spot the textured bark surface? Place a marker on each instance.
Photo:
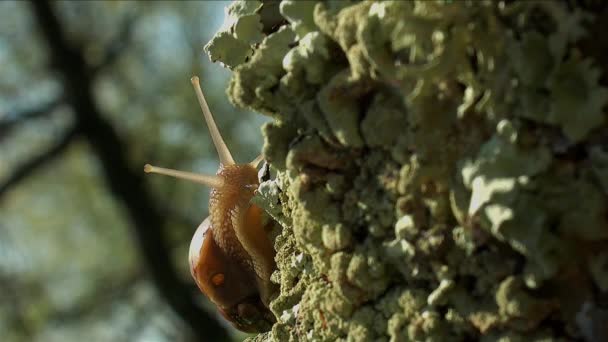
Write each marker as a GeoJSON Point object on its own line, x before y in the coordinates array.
{"type": "Point", "coordinates": [441, 166]}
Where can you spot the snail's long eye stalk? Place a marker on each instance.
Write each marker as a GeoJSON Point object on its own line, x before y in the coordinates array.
{"type": "Point", "coordinates": [212, 181]}
{"type": "Point", "coordinates": [220, 145]}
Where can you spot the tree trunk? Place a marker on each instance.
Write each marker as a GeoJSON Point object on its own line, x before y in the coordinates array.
{"type": "Point", "coordinates": [441, 166]}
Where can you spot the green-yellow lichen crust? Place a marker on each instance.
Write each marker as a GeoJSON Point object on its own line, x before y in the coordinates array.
{"type": "Point", "coordinates": [441, 166]}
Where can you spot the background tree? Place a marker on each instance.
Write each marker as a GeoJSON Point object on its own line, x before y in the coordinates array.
{"type": "Point", "coordinates": [90, 92]}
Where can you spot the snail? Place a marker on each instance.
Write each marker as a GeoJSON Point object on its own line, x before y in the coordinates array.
{"type": "Point", "coordinates": [231, 258]}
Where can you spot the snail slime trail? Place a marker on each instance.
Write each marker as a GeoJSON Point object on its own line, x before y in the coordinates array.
{"type": "Point", "coordinates": [230, 250]}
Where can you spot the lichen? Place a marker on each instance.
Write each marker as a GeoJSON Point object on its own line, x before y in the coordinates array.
{"type": "Point", "coordinates": [242, 29]}
{"type": "Point", "coordinates": [441, 167]}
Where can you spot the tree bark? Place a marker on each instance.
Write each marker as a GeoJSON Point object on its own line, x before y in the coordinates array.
{"type": "Point", "coordinates": [442, 166]}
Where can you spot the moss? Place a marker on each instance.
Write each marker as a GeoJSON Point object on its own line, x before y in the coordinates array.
{"type": "Point", "coordinates": [441, 168]}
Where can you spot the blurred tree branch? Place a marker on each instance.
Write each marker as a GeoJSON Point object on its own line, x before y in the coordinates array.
{"type": "Point", "coordinates": [125, 183]}
{"type": "Point", "coordinates": [109, 290]}
{"type": "Point", "coordinates": [117, 45]}
{"type": "Point", "coordinates": [112, 53]}
{"type": "Point", "coordinates": [10, 289]}
{"type": "Point", "coordinates": [15, 118]}
{"type": "Point", "coordinates": [29, 167]}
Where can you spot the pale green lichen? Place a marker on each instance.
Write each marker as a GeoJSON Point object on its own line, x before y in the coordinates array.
{"type": "Point", "coordinates": [242, 29]}
{"type": "Point", "coordinates": [383, 122]}
{"type": "Point", "coordinates": [253, 83]}
{"type": "Point", "coordinates": [300, 15]}
{"type": "Point", "coordinates": [339, 103]}
{"type": "Point", "coordinates": [441, 168]}
{"type": "Point", "coordinates": [310, 57]}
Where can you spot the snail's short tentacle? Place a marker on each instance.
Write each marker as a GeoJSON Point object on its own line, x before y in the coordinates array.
{"type": "Point", "coordinates": [212, 181]}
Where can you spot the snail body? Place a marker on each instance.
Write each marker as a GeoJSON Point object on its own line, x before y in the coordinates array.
{"type": "Point", "coordinates": [231, 258]}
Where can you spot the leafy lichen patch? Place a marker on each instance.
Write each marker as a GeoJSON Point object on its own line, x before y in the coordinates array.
{"type": "Point", "coordinates": [441, 168]}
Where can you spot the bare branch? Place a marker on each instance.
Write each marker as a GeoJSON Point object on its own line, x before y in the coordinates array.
{"type": "Point", "coordinates": [117, 45]}
{"type": "Point", "coordinates": [28, 168]}
{"type": "Point", "coordinates": [108, 292]}
{"type": "Point", "coordinates": [16, 118]}
{"type": "Point", "coordinates": [113, 51]}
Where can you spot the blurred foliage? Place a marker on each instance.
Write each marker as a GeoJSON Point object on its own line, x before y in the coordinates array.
{"type": "Point", "coordinates": [69, 267]}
